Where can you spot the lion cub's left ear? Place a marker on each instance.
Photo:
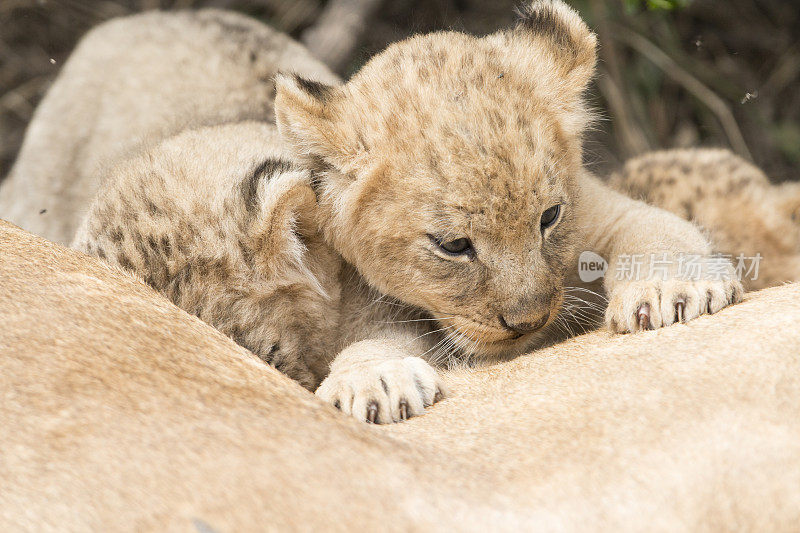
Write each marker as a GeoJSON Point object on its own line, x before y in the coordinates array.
{"type": "Point", "coordinates": [308, 114]}
{"type": "Point", "coordinates": [557, 39]}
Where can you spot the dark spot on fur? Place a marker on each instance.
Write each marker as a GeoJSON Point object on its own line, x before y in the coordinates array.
{"type": "Point", "coordinates": [152, 208]}
{"type": "Point", "coordinates": [688, 210]}
{"type": "Point", "coordinates": [150, 279]}
{"type": "Point", "coordinates": [318, 90]}
{"type": "Point", "coordinates": [138, 242]}
{"type": "Point", "coordinates": [246, 251]}
{"type": "Point", "coordinates": [543, 20]}
{"type": "Point", "coordinates": [101, 253]}
{"type": "Point", "coordinates": [269, 355]}
{"type": "Point", "coordinates": [739, 184]}
{"type": "Point", "coordinates": [166, 246]}
{"type": "Point", "coordinates": [42, 211]}
{"type": "Point", "coordinates": [124, 261]}
{"type": "Point", "coordinates": [268, 168]}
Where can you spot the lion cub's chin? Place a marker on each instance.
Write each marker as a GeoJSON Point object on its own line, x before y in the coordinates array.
{"type": "Point", "coordinates": [490, 344]}
{"type": "Point", "coordinates": [475, 339]}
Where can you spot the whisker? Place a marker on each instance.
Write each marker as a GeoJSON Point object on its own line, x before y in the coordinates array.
{"type": "Point", "coordinates": [430, 333]}
{"type": "Point", "coordinates": [435, 358]}
{"type": "Point", "coordinates": [417, 320]}
{"type": "Point", "coordinates": [584, 289]}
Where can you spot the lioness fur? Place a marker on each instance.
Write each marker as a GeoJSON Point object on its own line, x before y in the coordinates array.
{"type": "Point", "coordinates": [122, 412]}
{"type": "Point", "coordinates": [732, 199]}
{"type": "Point", "coordinates": [445, 138]}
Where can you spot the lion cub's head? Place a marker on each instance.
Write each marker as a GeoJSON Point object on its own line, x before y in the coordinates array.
{"type": "Point", "coordinates": [446, 170]}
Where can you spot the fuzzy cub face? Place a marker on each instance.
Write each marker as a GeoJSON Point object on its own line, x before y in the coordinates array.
{"type": "Point", "coordinates": [446, 168]}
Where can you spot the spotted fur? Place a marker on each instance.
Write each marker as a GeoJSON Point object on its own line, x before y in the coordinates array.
{"type": "Point", "coordinates": [233, 242]}
{"type": "Point", "coordinates": [448, 136]}
{"type": "Point", "coordinates": [732, 199]}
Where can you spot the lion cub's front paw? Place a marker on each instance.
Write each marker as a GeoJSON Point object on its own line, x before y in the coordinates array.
{"type": "Point", "coordinates": [382, 390]}
{"type": "Point", "coordinates": [655, 303]}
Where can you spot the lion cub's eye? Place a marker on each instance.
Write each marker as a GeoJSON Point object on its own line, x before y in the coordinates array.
{"type": "Point", "coordinates": [550, 216]}
{"type": "Point", "coordinates": [456, 247]}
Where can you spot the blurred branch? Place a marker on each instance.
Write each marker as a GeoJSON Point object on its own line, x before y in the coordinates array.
{"type": "Point", "coordinates": [336, 34]}
{"type": "Point", "coordinates": [633, 141]}
{"type": "Point", "coordinates": [785, 72]}
{"type": "Point", "coordinates": [18, 100]}
{"type": "Point", "coordinates": [691, 84]}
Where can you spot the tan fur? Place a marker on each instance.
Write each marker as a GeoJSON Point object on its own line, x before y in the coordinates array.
{"type": "Point", "coordinates": [219, 222]}
{"type": "Point", "coordinates": [216, 219]}
{"type": "Point", "coordinates": [194, 196]}
{"type": "Point", "coordinates": [132, 82]}
{"type": "Point", "coordinates": [449, 136]}
{"type": "Point", "coordinates": [730, 198]}
{"type": "Point", "coordinates": [439, 137]}
{"type": "Point", "coordinates": [122, 412]}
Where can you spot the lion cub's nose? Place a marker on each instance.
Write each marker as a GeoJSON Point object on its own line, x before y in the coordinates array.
{"type": "Point", "coordinates": [525, 327]}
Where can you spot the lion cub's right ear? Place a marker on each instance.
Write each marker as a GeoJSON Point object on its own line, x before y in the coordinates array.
{"type": "Point", "coordinates": [556, 37]}
{"type": "Point", "coordinates": [309, 117]}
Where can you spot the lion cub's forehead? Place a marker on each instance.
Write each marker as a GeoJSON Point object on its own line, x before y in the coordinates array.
{"type": "Point", "coordinates": [457, 106]}
{"type": "Point", "coordinates": [461, 121]}
{"type": "Point", "coordinates": [432, 82]}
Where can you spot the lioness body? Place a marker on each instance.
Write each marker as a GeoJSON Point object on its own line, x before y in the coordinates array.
{"type": "Point", "coordinates": [122, 412]}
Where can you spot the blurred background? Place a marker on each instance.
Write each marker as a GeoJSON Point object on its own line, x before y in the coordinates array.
{"type": "Point", "coordinates": [672, 73]}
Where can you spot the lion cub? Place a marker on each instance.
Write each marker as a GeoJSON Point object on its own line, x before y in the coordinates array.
{"type": "Point", "coordinates": [448, 174]}
{"type": "Point", "coordinates": [746, 215]}
{"type": "Point", "coordinates": [218, 221]}
{"type": "Point", "coordinates": [164, 119]}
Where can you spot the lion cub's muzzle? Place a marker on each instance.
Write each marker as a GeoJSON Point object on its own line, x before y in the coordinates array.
{"type": "Point", "coordinates": [520, 328]}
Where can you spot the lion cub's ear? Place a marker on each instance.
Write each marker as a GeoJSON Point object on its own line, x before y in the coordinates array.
{"type": "Point", "coordinates": [557, 38]}
{"type": "Point", "coordinates": [286, 225]}
{"type": "Point", "coordinates": [308, 114]}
